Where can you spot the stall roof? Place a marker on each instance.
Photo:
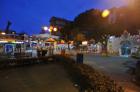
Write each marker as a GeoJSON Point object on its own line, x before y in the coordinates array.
{"type": "Point", "coordinates": [46, 36]}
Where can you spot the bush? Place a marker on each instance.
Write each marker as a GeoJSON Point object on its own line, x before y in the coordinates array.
{"type": "Point", "coordinates": [88, 78]}
{"type": "Point", "coordinates": [6, 63]}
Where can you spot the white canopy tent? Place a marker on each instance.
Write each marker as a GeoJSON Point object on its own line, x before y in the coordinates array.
{"type": "Point", "coordinates": [46, 36]}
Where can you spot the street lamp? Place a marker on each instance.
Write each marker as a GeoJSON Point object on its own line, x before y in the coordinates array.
{"type": "Point", "coordinates": [50, 29]}
{"type": "Point", "coordinates": [45, 28]}
{"type": "Point", "coordinates": [3, 33]}
{"type": "Point", "coordinates": [55, 29]}
{"type": "Point", "coordinates": [105, 13]}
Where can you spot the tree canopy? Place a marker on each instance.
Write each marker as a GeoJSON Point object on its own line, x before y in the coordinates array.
{"type": "Point", "coordinates": [93, 25]}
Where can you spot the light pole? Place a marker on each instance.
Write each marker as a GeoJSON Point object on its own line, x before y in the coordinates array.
{"type": "Point", "coordinates": [51, 29]}
{"type": "Point", "coordinates": [51, 48]}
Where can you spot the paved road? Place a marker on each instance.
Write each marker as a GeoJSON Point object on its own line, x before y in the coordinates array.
{"type": "Point", "coordinates": [115, 67]}
{"type": "Point", "coordinates": [38, 78]}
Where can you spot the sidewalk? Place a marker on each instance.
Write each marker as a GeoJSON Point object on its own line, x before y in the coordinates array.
{"type": "Point", "coordinates": [37, 78]}
{"type": "Point", "coordinates": [114, 67]}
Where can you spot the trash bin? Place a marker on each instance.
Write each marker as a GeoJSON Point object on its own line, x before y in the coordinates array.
{"type": "Point", "coordinates": [79, 58]}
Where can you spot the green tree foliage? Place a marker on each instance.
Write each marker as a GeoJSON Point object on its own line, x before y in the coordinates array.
{"type": "Point", "coordinates": [89, 19]}
{"type": "Point", "coordinates": [67, 31]}
{"type": "Point", "coordinates": [80, 37]}
{"type": "Point", "coordinates": [91, 23]}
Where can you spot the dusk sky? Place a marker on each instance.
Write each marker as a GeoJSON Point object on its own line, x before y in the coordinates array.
{"type": "Point", "coordinates": [30, 15]}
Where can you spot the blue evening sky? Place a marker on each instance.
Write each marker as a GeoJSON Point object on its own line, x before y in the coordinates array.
{"type": "Point", "coordinates": [30, 15]}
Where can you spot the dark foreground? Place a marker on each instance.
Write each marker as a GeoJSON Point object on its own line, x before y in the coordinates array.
{"type": "Point", "coordinates": [37, 78]}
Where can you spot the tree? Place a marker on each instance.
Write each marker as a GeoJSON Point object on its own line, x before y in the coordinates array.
{"type": "Point", "coordinates": [80, 37]}
{"type": "Point", "coordinates": [67, 31]}
{"type": "Point", "coordinates": [91, 23]}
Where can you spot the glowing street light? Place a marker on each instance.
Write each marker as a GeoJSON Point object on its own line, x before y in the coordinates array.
{"type": "Point", "coordinates": [3, 33]}
{"type": "Point", "coordinates": [55, 29]}
{"type": "Point", "coordinates": [105, 13]}
{"type": "Point", "coordinates": [45, 28]}
{"type": "Point", "coordinates": [50, 30]}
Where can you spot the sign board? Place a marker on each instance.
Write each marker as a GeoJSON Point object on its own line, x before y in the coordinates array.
{"type": "Point", "coordinates": [9, 48]}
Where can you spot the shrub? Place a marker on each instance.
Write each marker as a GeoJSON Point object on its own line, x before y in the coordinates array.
{"type": "Point", "coordinates": [88, 78]}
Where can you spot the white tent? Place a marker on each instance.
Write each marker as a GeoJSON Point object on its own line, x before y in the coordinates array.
{"type": "Point", "coordinates": [46, 36]}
